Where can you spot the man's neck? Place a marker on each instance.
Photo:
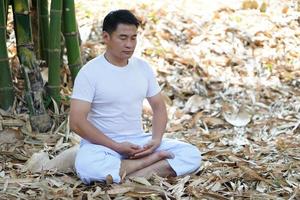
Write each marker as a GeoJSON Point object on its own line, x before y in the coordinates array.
{"type": "Point", "coordinates": [115, 61]}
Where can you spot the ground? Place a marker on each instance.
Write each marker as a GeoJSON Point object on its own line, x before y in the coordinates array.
{"type": "Point", "coordinates": [230, 76]}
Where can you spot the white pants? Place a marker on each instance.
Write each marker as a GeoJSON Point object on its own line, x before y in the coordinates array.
{"type": "Point", "coordinates": [94, 162]}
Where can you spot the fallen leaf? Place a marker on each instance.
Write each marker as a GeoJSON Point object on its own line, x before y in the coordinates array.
{"type": "Point", "coordinates": [238, 118]}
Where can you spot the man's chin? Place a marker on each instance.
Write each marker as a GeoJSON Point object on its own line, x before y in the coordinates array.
{"type": "Point", "coordinates": [127, 56]}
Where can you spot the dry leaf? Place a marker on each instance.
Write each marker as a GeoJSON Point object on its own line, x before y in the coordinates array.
{"type": "Point", "coordinates": [250, 4]}
{"type": "Point", "coordinates": [9, 136]}
{"type": "Point", "coordinates": [196, 103]}
{"type": "Point", "coordinates": [37, 162]}
{"type": "Point", "coordinates": [213, 121]}
{"type": "Point", "coordinates": [240, 117]}
{"type": "Point", "coordinates": [140, 180]}
{"type": "Point", "coordinates": [63, 162]}
{"type": "Point", "coordinates": [216, 52]}
{"type": "Point", "coordinates": [253, 174]}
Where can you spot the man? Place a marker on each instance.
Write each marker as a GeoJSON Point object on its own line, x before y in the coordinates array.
{"type": "Point", "coordinates": [106, 108]}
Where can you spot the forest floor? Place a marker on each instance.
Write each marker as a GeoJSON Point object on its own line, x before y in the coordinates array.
{"type": "Point", "coordinates": [230, 76]}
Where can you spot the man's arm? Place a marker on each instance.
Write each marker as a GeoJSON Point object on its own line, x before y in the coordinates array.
{"type": "Point", "coordinates": [160, 117]}
{"type": "Point", "coordinates": [78, 123]}
{"type": "Point", "coordinates": [159, 122]}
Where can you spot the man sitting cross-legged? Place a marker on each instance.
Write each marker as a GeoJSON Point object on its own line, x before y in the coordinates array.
{"type": "Point", "coordinates": [106, 109]}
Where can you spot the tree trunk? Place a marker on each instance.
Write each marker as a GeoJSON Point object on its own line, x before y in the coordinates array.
{"type": "Point", "coordinates": [6, 86]}
{"type": "Point", "coordinates": [40, 120]}
{"type": "Point", "coordinates": [54, 50]}
{"type": "Point", "coordinates": [71, 37]}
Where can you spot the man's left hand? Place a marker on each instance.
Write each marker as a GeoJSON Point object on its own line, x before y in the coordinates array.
{"type": "Point", "coordinates": [147, 149]}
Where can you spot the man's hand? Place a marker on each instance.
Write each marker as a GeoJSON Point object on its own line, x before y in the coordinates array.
{"type": "Point", "coordinates": [147, 149]}
{"type": "Point", "coordinates": [128, 149]}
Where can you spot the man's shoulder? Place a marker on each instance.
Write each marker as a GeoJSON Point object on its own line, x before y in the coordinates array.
{"type": "Point", "coordinates": [92, 66]}
{"type": "Point", "coordinates": [138, 60]}
{"type": "Point", "coordinates": [93, 62]}
{"type": "Point", "coordinates": [140, 63]}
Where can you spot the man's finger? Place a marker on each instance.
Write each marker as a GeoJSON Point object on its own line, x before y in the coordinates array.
{"type": "Point", "coordinates": [148, 145]}
{"type": "Point", "coordinates": [134, 146]}
{"type": "Point", "coordinates": [143, 153]}
{"type": "Point", "coordinates": [136, 151]}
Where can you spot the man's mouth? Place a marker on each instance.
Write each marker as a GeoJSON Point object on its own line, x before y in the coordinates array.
{"type": "Point", "coordinates": [128, 52]}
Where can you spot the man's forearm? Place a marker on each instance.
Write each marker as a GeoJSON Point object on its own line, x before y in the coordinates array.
{"type": "Point", "coordinates": [159, 122]}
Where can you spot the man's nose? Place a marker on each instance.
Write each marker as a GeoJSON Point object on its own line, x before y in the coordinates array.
{"type": "Point", "coordinates": [130, 43]}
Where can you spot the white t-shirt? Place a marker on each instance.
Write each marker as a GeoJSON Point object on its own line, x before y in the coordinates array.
{"type": "Point", "coordinates": [116, 94]}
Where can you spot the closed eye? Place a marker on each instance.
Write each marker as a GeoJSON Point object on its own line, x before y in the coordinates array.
{"type": "Point", "coordinates": [123, 37]}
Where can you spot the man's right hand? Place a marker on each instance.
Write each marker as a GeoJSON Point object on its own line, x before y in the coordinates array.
{"type": "Point", "coordinates": [128, 149]}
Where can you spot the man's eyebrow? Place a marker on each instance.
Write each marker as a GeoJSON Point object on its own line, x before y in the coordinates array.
{"type": "Point", "coordinates": [124, 35]}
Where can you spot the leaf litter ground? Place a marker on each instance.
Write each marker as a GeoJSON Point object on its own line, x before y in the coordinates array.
{"type": "Point", "coordinates": [230, 76]}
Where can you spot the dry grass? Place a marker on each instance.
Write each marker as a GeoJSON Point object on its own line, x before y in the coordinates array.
{"type": "Point", "coordinates": [230, 77]}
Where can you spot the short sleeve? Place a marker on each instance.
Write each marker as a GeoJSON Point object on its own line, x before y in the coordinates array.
{"type": "Point", "coordinates": [153, 86]}
{"type": "Point", "coordinates": [83, 89]}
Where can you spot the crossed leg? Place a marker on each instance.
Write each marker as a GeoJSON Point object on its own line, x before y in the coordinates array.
{"type": "Point", "coordinates": [95, 162]}
{"type": "Point", "coordinates": [161, 168]}
{"type": "Point", "coordinates": [153, 163]}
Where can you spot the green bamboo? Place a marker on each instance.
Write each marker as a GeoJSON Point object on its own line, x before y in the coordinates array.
{"type": "Point", "coordinates": [34, 13]}
{"type": "Point", "coordinates": [44, 27]}
{"type": "Point", "coordinates": [40, 120]}
{"type": "Point", "coordinates": [6, 6]}
{"type": "Point", "coordinates": [71, 36]}
{"type": "Point", "coordinates": [6, 86]}
{"type": "Point", "coordinates": [54, 50]}
{"type": "Point", "coordinates": [6, 3]}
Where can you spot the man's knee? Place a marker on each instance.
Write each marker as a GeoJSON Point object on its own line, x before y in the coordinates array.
{"type": "Point", "coordinates": [195, 155]}
{"type": "Point", "coordinates": [84, 170]}
{"type": "Point", "coordinates": [96, 167]}
{"type": "Point", "coordinates": [190, 157]}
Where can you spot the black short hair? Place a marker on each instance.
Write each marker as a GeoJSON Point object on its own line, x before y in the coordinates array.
{"type": "Point", "coordinates": [114, 18]}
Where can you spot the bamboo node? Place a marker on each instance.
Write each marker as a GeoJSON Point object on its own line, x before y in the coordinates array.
{"type": "Point", "coordinates": [23, 13]}
{"type": "Point", "coordinates": [53, 87]}
{"type": "Point", "coordinates": [28, 46]}
{"type": "Point", "coordinates": [6, 88]}
{"type": "Point", "coordinates": [55, 11]}
{"type": "Point", "coordinates": [4, 59]}
{"type": "Point", "coordinates": [54, 50]}
{"type": "Point", "coordinates": [75, 65]}
{"type": "Point", "coordinates": [71, 33]}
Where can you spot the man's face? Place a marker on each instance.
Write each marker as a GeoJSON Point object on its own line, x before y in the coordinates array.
{"type": "Point", "coordinates": [122, 42]}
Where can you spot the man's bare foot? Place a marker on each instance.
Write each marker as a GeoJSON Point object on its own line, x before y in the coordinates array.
{"type": "Point", "coordinates": [129, 166]}
{"type": "Point", "coordinates": [160, 168]}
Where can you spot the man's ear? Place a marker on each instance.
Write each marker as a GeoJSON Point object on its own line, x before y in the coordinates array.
{"type": "Point", "coordinates": [105, 36]}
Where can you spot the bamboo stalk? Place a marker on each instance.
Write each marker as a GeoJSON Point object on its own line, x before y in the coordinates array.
{"type": "Point", "coordinates": [54, 50]}
{"type": "Point", "coordinates": [6, 86]}
{"type": "Point", "coordinates": [34, 13]}
{"type": "Point", "coordinates": [71, 36]}
{"type": "Point", "coordinates": [6, 3]}
{"type": "Point", "coordinates": [40, 120]}
{"type": "Point", "coordinates": [44, 27]}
